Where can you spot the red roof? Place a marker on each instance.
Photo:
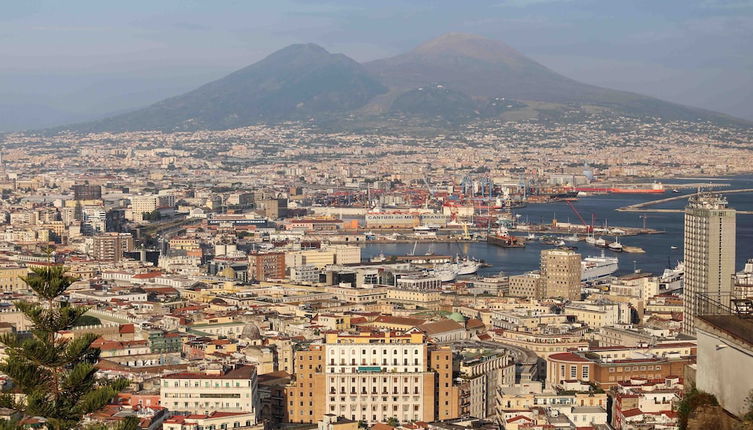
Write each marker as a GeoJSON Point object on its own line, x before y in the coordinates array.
{"type": "Point", "coordinates": [568, 356]}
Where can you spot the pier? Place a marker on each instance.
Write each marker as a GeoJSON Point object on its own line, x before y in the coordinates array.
{"type": "Point", "coordinates": [645, 206]}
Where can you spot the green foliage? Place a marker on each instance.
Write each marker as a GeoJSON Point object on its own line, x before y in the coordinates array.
{"type": "Point", "coordinates": [56, 375]}
{"type": "Point", "coordinates": [154, 215]}
{"type": "Point", "coordinates": [693, 400]}
{"type": "Point", "coordinates": [393, 422]}
{"type": "Point", "coordinates": [87, 320]}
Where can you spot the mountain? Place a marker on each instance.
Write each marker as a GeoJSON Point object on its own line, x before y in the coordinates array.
{"type": "Point", "coordinates": [485, 69]}
{"type": "Point", "coordinates": [293, 83]}
{"type": "Point", "coordinates": [454, 78]}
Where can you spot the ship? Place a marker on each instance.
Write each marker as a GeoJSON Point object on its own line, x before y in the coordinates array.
{"type": "Point", "coordinates": [466, 266]}
{"type": "Point", "coordinates": [593, 268]}
{"type": "Point", "coordinates": [504, 239]}
{"type": "Point", "coordinates": [447, 272]}
{"type": "Point", "coordinates": [672, 279]}
{"type": "Point", "coordinates": [655, 188]}
{"type": "Point", "coordinates": [615, 246]}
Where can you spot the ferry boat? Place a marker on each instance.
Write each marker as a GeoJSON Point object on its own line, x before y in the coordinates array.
{"type": "Point", "coordinates": [593, 268]}
{"type": "Point", "coordinates": [672, 279]}
{"type": "Point", "coordinates": [502, 238]}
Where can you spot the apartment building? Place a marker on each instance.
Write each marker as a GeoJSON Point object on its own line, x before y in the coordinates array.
{"type": "Point", "coordinates": [709, 239]}
{"type": "Point", "coordinates": [373, 377]}
{"type": "Point", "coordinates": [561, 273]}
{"type": "Point", "coordinates": [218, 390]}
{"type": "Point", "coordinates": [606, 367]}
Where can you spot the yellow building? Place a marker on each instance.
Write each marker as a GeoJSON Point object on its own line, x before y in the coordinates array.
{"type": "Point", "coordinates": [10, 278]}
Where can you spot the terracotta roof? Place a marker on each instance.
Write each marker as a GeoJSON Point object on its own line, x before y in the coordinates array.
{"type": "Point", "coordinates": [442, 326]}
{"type": "Point", "coordinates": [568, 356]}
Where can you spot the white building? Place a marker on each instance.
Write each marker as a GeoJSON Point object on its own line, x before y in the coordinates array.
{"type": "Point", "coordinates": [233, 390]}
{"type": "Point", "coordinates": [709, 253]}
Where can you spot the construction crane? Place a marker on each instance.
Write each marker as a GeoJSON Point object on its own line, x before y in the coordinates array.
{"type": "Point", "coordinates": [589, 228]}
{"type": "Point", "coordinates": [645, 217]}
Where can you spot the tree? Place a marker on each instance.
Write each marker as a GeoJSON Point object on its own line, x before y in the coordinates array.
{"type": "Point", "coordinates": [393, 422]}
{"type": "Point", "coordinates": [56, 375]}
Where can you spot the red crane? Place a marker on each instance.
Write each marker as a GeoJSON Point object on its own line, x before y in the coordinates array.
{"type": "Point", "coordinates": [589, 228]}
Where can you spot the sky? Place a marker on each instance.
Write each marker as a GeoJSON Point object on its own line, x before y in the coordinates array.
{"type": "Point", "coordinates": [63, 61]}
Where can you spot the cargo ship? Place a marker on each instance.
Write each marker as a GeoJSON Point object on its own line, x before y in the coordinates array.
{"type": "Point", "coordinates": [656, 188]}
{"type": "Point", "coordinates": [504, 239]}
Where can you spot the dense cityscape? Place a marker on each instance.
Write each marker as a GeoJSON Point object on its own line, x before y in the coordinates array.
{"type": "Point", "coordinates": [403, 215]}
{"type": "Point", "coordinates": [224, 276]}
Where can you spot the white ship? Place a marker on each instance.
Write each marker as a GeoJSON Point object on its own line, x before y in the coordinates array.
{"type": "Point", "coordinates": [593, 268]}
{"type": "Point", "coordinates": [672, 279]}
{"type": "Point", "coordinates": [447, 272]}
{"type": "Point", "coordinates": [467, 266]}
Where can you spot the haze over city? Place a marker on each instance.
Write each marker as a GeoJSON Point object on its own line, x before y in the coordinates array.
{"type": "Point", "coordinates": [68, 62]}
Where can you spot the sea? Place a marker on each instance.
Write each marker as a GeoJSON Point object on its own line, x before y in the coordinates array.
{"type": "Point", "coordinates": [662, 250]}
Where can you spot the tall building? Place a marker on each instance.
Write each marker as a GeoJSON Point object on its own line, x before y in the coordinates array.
{"type": "Point", "coordinates": [266, 266]}
{"type": "Point", "coordinates": [709, 253]}
{"type": "Point", "coordinates": [372, 377]}
{"type": "Point", "coordinates": [87, 192]}
{"type": "Point", "coordinates": [220, 390]}
{"type": "Point", "coordinates": [94, 220]}
{"type": "Point", "coordinates": [561, 273]}
{"type": "Point", "coordinates": [111, 246]}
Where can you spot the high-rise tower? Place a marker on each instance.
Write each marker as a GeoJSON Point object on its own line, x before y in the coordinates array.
{"type": "Point", "coordinates": [709, 253]}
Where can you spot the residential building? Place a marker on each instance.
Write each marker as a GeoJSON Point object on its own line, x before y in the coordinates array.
{"type": "Point", "coordinates": [561, 273]}
{"type": "Point", "coordinates": [111, 246]}
{"type": "Point", "coordinates": [709, 253]}
{"type": "Point", "coordinates": [217, 390]}
{"type": "Point", "coordinates": [263, 266]}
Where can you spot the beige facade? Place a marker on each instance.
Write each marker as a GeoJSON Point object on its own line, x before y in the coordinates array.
{"type": "Point", "coordinates": [529, 285]}
{"type": "Point", "coordinates": [233, 390]}
{"type": "Point", "coordinates": [561, 273]}
{"type": "Point", "coordinates": [10, 278]}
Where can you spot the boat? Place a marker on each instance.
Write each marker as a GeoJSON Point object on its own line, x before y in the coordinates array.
{"type": "Point", "coordinates": [675, 190]}
{"type": "Point", "coordinates": [600, 242]}
{"type": "Point", "coordinates": [590, 239]}
{"type": "Point", "coordinates": [531, 236]}
{"type": "Point", "coordinates": [572, 238]}
{"type": "Point", "coordinates": [445, 272]}
{"type": "Point", "coordinates": [504, 239]}
{"type": "Point", "coordinates": [560, 242]}
{"type": "Point", "coordinates": [615, 246]}
{"type": "Point", "coordinates": [467, 266]}
{"type": "Point", "coordinates": [673, 278]}
{"type": "Point", "coordinates": [672, 247]}
{"type": "Point", "coordinates": [424, 227]}
{"type": "Point", "coordinates": [593, 268]}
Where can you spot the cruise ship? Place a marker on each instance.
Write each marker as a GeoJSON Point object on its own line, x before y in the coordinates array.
{"type": "Point", "coordinates": [593, 268]}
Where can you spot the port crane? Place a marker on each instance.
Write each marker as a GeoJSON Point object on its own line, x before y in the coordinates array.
{"type": "Point", "coordinates": [589, 227]}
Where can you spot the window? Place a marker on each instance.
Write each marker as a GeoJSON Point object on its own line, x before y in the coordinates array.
{"type": "Point", "coordinates": [585, 372]}
{"type": "Point", "coordinates": [573, 371]}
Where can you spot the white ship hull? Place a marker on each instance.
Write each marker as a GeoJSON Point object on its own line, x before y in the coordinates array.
{"type": "Point", "coordinates": [593, 268]}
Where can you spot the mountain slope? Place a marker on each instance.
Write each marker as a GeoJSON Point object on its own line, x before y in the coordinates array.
{"type": "Point", "coordinates": [293, 83]}
{"type": "Point", "coordinates": [484, 68]}
{"type": "Point", "coordinates": [454, 78]}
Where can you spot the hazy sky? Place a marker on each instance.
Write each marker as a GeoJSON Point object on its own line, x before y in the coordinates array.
{"type": "Point", "coordinates": [70, 60]}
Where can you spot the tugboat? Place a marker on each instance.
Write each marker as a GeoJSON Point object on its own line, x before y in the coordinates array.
{"type": "Point", "coordinates": [615, 246]}
{"type": "Point", "coordinates": [502, 238]}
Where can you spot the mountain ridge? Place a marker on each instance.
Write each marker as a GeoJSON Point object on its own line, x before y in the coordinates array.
{"type": "Point", "coordinates": [305, 81]}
